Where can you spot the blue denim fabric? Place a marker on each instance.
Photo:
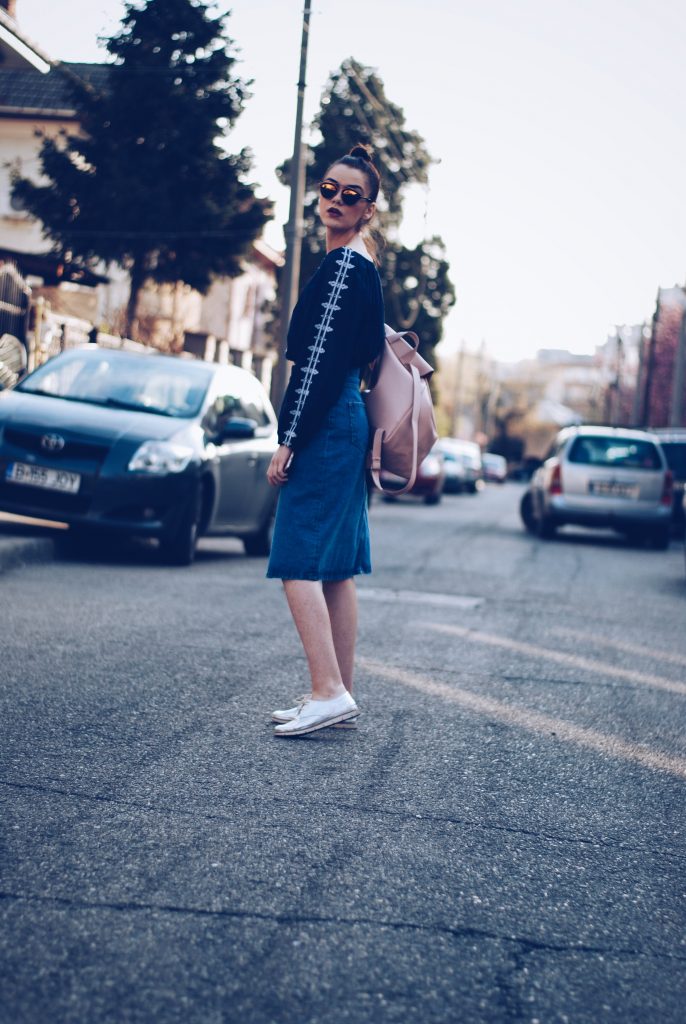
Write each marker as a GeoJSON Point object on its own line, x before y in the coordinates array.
{"type": "Point", "coordinates": [321, 530]}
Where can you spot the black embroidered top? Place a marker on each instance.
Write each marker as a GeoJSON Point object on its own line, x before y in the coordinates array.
{"type": "Point", "coordinates": [337, 326]}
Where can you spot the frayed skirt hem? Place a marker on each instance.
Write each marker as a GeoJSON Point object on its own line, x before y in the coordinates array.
{"type": "Point", "coordinates": [317, 577]}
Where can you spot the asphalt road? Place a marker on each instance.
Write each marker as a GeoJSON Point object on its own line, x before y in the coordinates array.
{"type": "Point", "coordinates": [501, 840]}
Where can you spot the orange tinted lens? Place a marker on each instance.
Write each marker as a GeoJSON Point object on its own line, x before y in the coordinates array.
{"type": "Point", "coordinates": [350, 196]}
{"type": "Point", "coordinates": [328, 190]}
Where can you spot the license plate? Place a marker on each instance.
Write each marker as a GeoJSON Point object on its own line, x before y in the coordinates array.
{"type": "Point", "coordinates": [613, 490]}
{"type": "Point", "coordinates": [42, 476]}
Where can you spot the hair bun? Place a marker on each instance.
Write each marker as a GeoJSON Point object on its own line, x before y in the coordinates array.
{"type": "Point", "coordinates": [361, 151]}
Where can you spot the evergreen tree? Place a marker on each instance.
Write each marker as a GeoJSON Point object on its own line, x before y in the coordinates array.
{"type": "Point", "coordinates": [146, 183]}
{"type": "Point", "coordinates": [355, 108]}
{"type": "Point", "coordinates": [418, 292]}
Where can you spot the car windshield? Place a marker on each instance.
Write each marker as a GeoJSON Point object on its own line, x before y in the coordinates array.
{"type": "Point", "coordinates": [615, 453]}
{"type": "Point", "coordinates": [121, 380]}
{"type": "Point", "coordinates": [675, 453]}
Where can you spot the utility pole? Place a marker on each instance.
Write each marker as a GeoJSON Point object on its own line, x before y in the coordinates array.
{"type": "Point", "coordinates": [291, 274]}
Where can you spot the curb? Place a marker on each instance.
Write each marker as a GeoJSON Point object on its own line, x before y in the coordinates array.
{"type": "Point", "coordinates": [16, 552]}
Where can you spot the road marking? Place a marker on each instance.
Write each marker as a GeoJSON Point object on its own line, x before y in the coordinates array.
{"type": "Point", "coordinates": [419, 597]}
{"type": "Point", "coordinates": [562, 658]}
{"type": "Point", "coordinates": [532, 721]}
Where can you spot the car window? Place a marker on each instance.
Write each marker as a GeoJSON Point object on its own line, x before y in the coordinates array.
{"type": "Point", "coordinates": [238, 398]}
{"type": "Point", "coordinates": [615, 453]}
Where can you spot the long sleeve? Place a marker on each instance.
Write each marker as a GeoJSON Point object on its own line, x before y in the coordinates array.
{"type": "Point", "coordinates": [326, 329]}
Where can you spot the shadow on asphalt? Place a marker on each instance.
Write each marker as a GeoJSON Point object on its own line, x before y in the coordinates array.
{"type": "Point", "coordinates": [132, 551]}
{"type": "Point", "coordinates": [600, 538]}
{"type": "Point", "coordinates": [675, 586]}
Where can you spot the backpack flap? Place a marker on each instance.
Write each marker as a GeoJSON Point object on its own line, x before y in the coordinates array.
{"type": "Point", "coordinates": [407, 352]}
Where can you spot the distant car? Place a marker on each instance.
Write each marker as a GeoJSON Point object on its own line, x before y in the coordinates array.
{"type": "Point", "coordinates": [429, 482]}
{"type": "Point", "coordinates": [673, 444]}
{"type": "Point", "coordinates": [602, 477]}
{"type": "Point", "coordinates": [494, 467]}
{"type": "Point", "coordinates": [455, 473]}
{"type": "Point", "coordinates": [464, 471]}
{"type": "Point", "coordinates": [147, 445]}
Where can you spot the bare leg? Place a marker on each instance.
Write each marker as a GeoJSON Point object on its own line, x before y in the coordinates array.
{"type": "Point", "coordinates": [341, 601]}
{"type": "Point", "coordinates": [311, 616]}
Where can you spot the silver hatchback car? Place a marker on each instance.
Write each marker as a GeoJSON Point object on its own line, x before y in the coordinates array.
{"type": "Point", "coordinates": [602, 477]}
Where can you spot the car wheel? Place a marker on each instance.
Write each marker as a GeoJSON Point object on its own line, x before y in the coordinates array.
{"type": "Point", "coordinates": [526, 513]}
{"type": "Point", "coordinates": [432, 499]}
{"type": "Point", "coordinates": [178, 548]}
{"type": "Point", "coordinates": [260, 544]}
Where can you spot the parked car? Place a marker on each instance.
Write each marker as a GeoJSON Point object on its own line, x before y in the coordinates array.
{"type": "Point", "coordinates": [464, 471]}
{"type": "Point", "coordinates": [673, 444]}
{"type": "Point", "coordinates": [148, 444]}
{"type": "Point", "coordinates": [429, 482]}
{"type": "Point", "coordinates": [494, 467]}
{"type": "Point", "coordinates": [456, 473]}
{"type": "Point", "coordinates": [602, 477]}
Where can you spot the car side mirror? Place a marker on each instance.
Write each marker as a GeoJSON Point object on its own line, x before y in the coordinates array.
{"type": "Point", "coordinates": [237, 428]}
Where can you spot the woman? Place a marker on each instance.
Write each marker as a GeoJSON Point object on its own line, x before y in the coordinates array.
{"type": "Point", "coordinates": [321, 534]}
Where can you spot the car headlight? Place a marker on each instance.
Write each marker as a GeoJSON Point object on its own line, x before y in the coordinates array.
{"type": "Point", "coordinates": [159, 457]}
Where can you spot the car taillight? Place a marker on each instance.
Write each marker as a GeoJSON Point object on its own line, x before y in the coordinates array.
{"type": "Point", "coordinates": [556, 480]}
{"type": "Point", "coordinates": [668, 489]}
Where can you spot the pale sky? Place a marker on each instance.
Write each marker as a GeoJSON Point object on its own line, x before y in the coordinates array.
{"type": "Point", "coordinates": [559, 126]}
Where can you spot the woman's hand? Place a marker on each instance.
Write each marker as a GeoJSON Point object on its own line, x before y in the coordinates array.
{"type": "Point", "coordinates": [277, 474]}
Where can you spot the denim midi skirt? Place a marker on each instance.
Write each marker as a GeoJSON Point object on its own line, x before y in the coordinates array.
{"type": "Point", "coordinates": [321, 530]}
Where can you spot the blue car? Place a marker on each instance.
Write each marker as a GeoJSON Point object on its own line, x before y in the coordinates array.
{"type": "Point", "coordinates": [141, 444]}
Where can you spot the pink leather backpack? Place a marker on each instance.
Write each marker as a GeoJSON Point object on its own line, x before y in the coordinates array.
{"type": "Point", "coordinates": [400, 410]}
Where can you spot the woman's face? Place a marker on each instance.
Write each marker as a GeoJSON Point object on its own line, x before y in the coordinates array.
{"type": "Point", "coordinates": [334, 214]}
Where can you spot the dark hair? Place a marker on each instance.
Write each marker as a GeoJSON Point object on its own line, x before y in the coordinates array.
{"type": "Point", "coordinates": [360, 158]}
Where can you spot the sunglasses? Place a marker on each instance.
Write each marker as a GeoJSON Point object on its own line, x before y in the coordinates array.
{"type": "Point", "coordinates": [349, 195]}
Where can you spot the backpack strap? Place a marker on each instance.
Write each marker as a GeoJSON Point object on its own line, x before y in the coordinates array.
{"type": "Point", "coordinates": [378, 441]}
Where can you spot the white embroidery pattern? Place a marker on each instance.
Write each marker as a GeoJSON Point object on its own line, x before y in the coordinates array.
{"type": "Point", "coordinates": [310, 371]}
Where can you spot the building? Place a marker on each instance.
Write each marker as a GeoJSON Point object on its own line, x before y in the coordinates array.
{"type": "Point", "coordinates": [618, 363]}
{"type": "Point", "coordinates": [34, 98]}
{"type": "Point", "coordinates": [228, 324]}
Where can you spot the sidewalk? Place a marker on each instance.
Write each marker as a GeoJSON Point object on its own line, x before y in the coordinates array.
{"type": "Point", "coordinates": [23, 541]}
